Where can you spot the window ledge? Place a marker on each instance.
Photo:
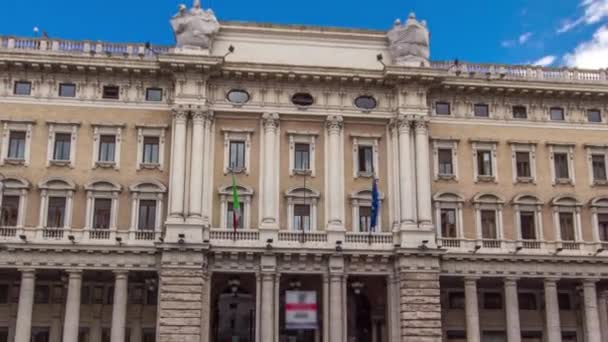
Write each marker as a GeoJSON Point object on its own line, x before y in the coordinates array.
{"type": "Point", "coordinates": [238, 170]}
{"type": "Point", "coordinates": [600, 183]}
{"type": "Point", "coordinates": [486, 179]}
{"type": "Point", "coordinates": [60, 163]}
{"type": "Point", "coordinates": [446, 177]}
{"type": "Point", "coordinates": [149, 166]}
{"type": "Point", "coordinates": [299, 172]}
{"type": "Point", "coordinates": [525, 180]}
{"type": "Point", "coordinates": [365, 174]}
{"type": "Point", "coordinates": [563, 181]}
{"type": "Point", "coordinates": [105, 164]}
{"type": "Point", "coordinates": [14, 161]}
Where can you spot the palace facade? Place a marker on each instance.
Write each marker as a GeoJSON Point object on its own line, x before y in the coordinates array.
{"type": "Point", "coordinates": [119, 165]}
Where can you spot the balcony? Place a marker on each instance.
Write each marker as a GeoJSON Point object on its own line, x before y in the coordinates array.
{"type": "Point", "coordinates": [78, 236]}
{"type": "Point", "coordinates": [528, 247]}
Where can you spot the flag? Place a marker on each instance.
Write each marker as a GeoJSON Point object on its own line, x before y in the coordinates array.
{"type": "Point", "coordinates": [375, 206]}
{"type": "Point", "coordinates": [236, 206]}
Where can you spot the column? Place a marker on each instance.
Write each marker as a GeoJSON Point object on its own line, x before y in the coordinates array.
{"type": "Point", "coordinates": [512, 310]}
{"type": "Point", "coordinates": [72, 306]}
{"type": "Point", "coordinates": [405, 170]}
{"type": "Point", "coordinates": [267, 308]}
{"type": "Point", "coordinates": [592, 321]}
{"type": "Point", "coordinates": [178, 163]}
{"type": "Point", "coordinates": [334, 129]}
{"type": "Point", "coordinates": [326, 296]}
{"type": "Point", "coordinates": [471, 309]}
{"type": "Point", "coordinates": [26, 305]}
{"type": "Point", "coordinates": [423, 180]}
{"type": "Point", "coordinates": [554, 330]}
{"type": "Point", "coordinates": [392, 306]}
{"type": "Point", "coordinates": [335, 307]}
{"type": "Point", "coordinates": [602, 307]}
{"type": "Point", "coordinates": [196, 165]}
{"type": "Point", "coordinates": [119, 309]}
{"type": "Point", "coordinates": [270, 123]}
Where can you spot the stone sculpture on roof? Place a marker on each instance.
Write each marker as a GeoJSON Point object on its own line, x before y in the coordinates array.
{"type": "Point", "coordinates": [194, 29]}
{"type": "Point", "coordinates": [409, 42]}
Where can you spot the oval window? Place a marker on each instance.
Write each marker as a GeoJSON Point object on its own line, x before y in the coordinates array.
{"type": "Point", "coordinates": [302, 99]}
{"type": "Point", "coordinates": [365, 102]}
{"type": "Point", "coordinates": [237, 96]}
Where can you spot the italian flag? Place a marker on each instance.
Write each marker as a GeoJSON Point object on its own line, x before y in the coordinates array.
{"type": "Point", "coordinates": [236, 207]}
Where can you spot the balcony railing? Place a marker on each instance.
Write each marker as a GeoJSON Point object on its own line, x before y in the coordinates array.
{"type": "Point", "coordinates": [235, 235]}
{"type": "Point", "coordinates": [293, 236]}
{"type": "Point", "coordinates": [522, 246]}
{"type": "Point", "coordinates": [85, 236]}
{"type": "Point", "coordinates": [367, 238]}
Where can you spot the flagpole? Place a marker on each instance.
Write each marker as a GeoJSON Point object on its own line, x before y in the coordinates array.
{"type": "Point", "coordinates": [303, 235]}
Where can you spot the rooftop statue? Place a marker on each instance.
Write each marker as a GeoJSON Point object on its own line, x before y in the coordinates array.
{"type": "Point", "coordinates": [194, 29]}
{"type": "Point", "coordinates": [409, 42]}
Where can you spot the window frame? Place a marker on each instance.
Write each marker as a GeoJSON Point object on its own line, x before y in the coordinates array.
{"type": "Point", "coordinates": [449, 200]}
{"type": "Point", "coordinates": [480, 105]}
{"type": "Point", "coordinates": [526, 147]}
{"type": "Point", "coordinates": [101, 129]}
{"type": "Point", "coordinates": [490, 202]}
{"type": "Point", "coordinates": [594, 150]}
{"type": "Point", "coordinates": [302, 137]}
{"type": "Point", "coordinates": [66, 84]}
{"type": "Point", "coordinates": [594, 110]}
{"type": "Point", "coordinates": [9, 126]}
{"type": "Point", "coordinates": [443, 103]}
{"type": "Point", "coordinates": [363, 198]}
{"type": "Point", "coordinates": [567, 204]}
{"type": "Point", "coordinates": [102, 189]}
{"type": "Point", "coordinates": [151, 131]}
{"type": "Point", "coordinates": [19, 187]}
{"type": "Point", "coordinates": [568, 150]}
{"type": "Point", "coordinates": [147, 190]}
{"type": "Point", "coordinates": [557, 108]}
{"type": "Point", "coordinates": [55, 128]}
{"type": "Point", "coordinates": [245, 196]}
{"type": "Point", "coordinates": [23, 82]}
{"type": "Point", "coordinates": [368, 141]}
{"type": "Point", "coordinates": [107, 87]}
{"type": "Point", "coordinates": [56, 187]}
{"type": "Point", "coordinates": [447, 143]}
{"type": "Point", "coordinates": [519, 106]}
{"type": "Point", "coordinates": [599, 206]}
{"type": "Point", "coordinates": [150, 89]}
{"type": "Point", "coordinates": [491, 147]}
{"type": "Point", "coordinates": [527, 202]}
{"type": "Point", "coordinates": [244, 135]}
{"type": "Point", "coordinates": [296, 196]}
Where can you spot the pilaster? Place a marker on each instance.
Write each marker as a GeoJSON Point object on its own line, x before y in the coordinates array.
{"type": "Point", "coordinates": [335, 178]}
{"type": "Point", "coordinates": [270, 201]}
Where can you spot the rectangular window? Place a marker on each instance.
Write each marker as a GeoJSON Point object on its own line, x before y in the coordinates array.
{"type": "Point", "coordinates": [302, 156]}
{"type": "Point", "coordinates": [16, 145]}
{"type": "Point", "coordinates": [602, 225]}
{"type": "Point", "coordinates": [102, 212]}
{"type": "Point", "coordinates": [520, 112]}
{"type": "Point", "coordinates": [151, 150]}
{"type": "Point", "coordinates": [147, 215]}
{"type": "Point", "coordinates": [366, 159]}
{"type": "Point", "coordinates": [237, 155]}
{"type": "Point", "coordinates": [56, 212]}
{"type": "Point", "coordinates": [561, 165]}
{"type": "Point", "coordinates": [442, 108]}
{"type": "Point", "coordinates": [301, 217]}
{"type": "Point", "coordinates": [488, 224]}
{"type": "Point", "coordinates": [492, 301]}
{"type": "Point", "coordinates": [10, 211]}
{"type": "Point", "coordinates": [230, 215]}
{"type": "Point", "coordinates": [456, 300]}
{"type": "Point", "coordinates": [111, 92]}
{"type": "Point", "coordinates": [527, 301]}
{"type": "Point", "coordinates": [557, 114]}
{"type": "Point", "coordinates": [365, 218]}
{"type": "Point", "coordinates": [154, 94]}
{"type": "Point", "coordinates": [528, 226]}
{"type": "Point", "coordinates": [42, 294]}
{"type": "Point", "coordinates": [598, 162]}
{"type": "Point", "coordinates": [482, 110]}
{"type": "Point", "coordinates": [107, 148]}
{"type": "Point", "coordinates": [136, 294]}
{"type": "Point", "coordinates": [444, 156]}
{"type": "Point", "coordinates": [67, 90]}
{"type": "Point", "coordinates": [563, 301]}
{"type": "Point", "coordinates": [23, 88]}
{"type": "Point", "coordinates": [522, 163]}
{"type": "Point", "coordinates": [594, 115]}
{"type": "Point", "coordinates": [484, 163]}
{"type": "Point", "coordinates": [62, 146]}
{"type": "Point", "coordinates": [448, 223]}
{"type": "Point", "coordinates": [566, 226]}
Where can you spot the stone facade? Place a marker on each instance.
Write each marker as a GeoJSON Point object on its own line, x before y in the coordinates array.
{"type": "Point", "coordinates": [119, 163]}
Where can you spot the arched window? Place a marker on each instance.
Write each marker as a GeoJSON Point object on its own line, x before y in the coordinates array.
{"type": "Point", "coordinates": [13, 202]}
{"type": "Point", "coordinates": [56, 203]}
{"type": "Point", "coordinates": [528, 217]}
{"type": "Point", "coordinates": [488, 217]}
{"type": "Point", "coordinates": [227, 206]}
{"type": "Point", "coordinates": [302, 209]}
{"type": "Point", "coordinates": [567, 218]}
{"type": "Point", "coordinates": [361, 203]}
{"type": "Point", "coordinates": [147, 209]}
{"type": "Point", "coordinates": [599, 210]}
{"type": "Point", "coordinates": [448, 214]}
{"type": "Point", "coordinates": [102, 204]}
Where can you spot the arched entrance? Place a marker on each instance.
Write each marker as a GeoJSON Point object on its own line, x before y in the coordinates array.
{"type": "Point", "coordinates": [366, 309]}
{"type": "Point", "coordinates": [233, 308]}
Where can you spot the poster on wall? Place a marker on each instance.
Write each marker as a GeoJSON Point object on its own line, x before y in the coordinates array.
{"type": "Point", "coordinates": [300, 310]}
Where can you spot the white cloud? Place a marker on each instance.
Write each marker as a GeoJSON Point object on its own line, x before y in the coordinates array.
{"type": "Point", "coordinates": [591, 54]}
{"type": "Point", "coordinates": [593, 12]}
{"type": "Point", "coordinates": [545, 61]}
{"type": "Point", "coordinates": [524, 38]}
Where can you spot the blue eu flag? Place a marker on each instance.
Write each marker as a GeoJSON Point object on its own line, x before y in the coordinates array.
{"type": "Point", "coordinates": [375, 206]}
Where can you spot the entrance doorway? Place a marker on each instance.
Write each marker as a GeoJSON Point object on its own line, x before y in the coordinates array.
{"type": "Point", "coordinates": [233, 308]}
{"type": "Point", "coordinates": [366, 309]}
{"type": "Point", "coordinates": [307, 328]}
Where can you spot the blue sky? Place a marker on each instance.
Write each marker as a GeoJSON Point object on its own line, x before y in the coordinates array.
{"type": "Point", "coordinates": [548, 32]}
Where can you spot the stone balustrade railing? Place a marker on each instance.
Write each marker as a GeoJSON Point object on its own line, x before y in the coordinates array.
{"type": "Point", "coordinates": [522, 72]}
{"type": "Point", "coordinates": [81, 47]}
{"type": "Point", "coordinates": [85, 236]}
{"type": "Point", "coordinates": [494, 246]}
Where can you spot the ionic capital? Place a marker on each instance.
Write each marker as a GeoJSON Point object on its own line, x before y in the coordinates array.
{"type": "Point", "coordinates": [421, 124]}
{"type": "Point", "coordinates": [270, 121]}
{"type": "Point", "coordinates": [180, 115]}
{"type": "Point", "coordinates": [334, 123]}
